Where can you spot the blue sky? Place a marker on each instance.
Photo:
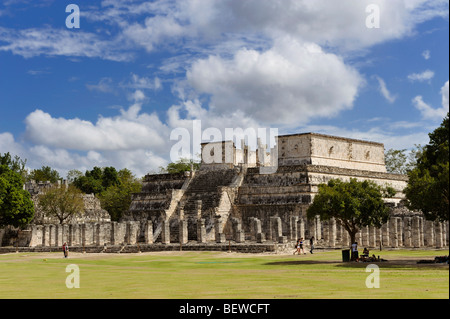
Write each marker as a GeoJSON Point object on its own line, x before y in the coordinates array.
{"type": "Point", "coordinates": [111, 92]}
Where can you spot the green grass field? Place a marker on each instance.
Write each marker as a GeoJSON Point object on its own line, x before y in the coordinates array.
{"type": "Point", "coordinates": [216, 275]}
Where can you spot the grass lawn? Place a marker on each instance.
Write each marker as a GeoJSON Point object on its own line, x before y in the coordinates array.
{"type": "Point", "coordinates": [218, 275]}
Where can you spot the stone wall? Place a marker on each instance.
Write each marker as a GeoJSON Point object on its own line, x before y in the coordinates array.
{"type": "Point", "coordinates": [403, 230]}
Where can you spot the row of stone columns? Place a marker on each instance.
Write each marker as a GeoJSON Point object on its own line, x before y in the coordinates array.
{"type": "Point", "coordinates": [404, 232]}
{"type": "Point", "coordinates": [407, 232]}
{"type": "Point", "coordinates": [87, 234]}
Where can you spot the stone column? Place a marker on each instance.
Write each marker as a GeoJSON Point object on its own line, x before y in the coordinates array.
{"type": "Point", "coordinates": [393, 232]}
{"type": "Point", "coordinates": [260, 237]}
{"type": "Point", "coordinates": [318, 224]}
{"type": "Point", "coordinates": [372, 236]}
{"type": "Point", "coordinates": [312, 229]}
{"type": "Point", "coordinates": [444, 234]}
{"type": "Point", "coordinates": [100, 234]}
{"type": "Point", "coordinates": [165, 231]}
{"type": "Point", "coordinates": [198, 207]}
{"type": "Point", "coordinates": [447, 235]}
{"type": "Point", "coordinates": [415, 232]}
{"type": "Point", "coordinates": [400, 231]}
{"type": "Point", "coordinates": [438, 232]}
{"type": "Point", "coordinates": [59, 240]}
{"type": "Point", "coordinates": [385, 235]}
{"type": "Point", "coordinates": [345, 238]}
{"type": "Point", "coordinates": [201, 231]}
{"type": "Point", "coordinates": [325, 232]}
{"type": "Point", "coordinates": [332, 232]}
{"type": "Point", "coordinates": [421, 232]}
{"type": "Point", "coordinates": [301, 228]}
{"type": "Point", "coordinates": [365, 236]}
{"type": "Point", "coordinates": [148, 232]}
{"type": "Point", "coordinates": [52, 237]}
{"type": "Point", "coordinates": [407, 235]}
{"type": "Point", "coordinates": [293, 228]}
{"type": "Point", "coordinates": [36, 236]}
{"type": "Point", "coordinates": [338, 234]}
{"type": "Point", "coordinates": [220, 236]}
{"type": "Point", "coordinates": [86, 234]}
{"type": "Point", "coordinates": [275, 229]}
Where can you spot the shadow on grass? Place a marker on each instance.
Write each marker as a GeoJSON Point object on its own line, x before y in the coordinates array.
{"type": "Point", "coordinates": [381, 264]}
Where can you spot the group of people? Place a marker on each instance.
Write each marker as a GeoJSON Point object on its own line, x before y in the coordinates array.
{"type": "Point", "coordinates": [299, 246]}
{"type": "Point", "coordinates": [364, 256]}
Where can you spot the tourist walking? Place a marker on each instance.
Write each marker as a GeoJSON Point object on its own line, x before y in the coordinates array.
{"type": "Point", "coordinates": [297, 247]}
{"type": "Point", "coordinates": [301, 246]}
{"type": "Point", "coordinates": [65, 250]}
{"type": "Point", "coordinates": [311, 244]}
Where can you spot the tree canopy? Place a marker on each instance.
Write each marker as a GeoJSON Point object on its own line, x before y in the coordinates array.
{"type": "Point", "coordinates": [400, 162]}
{"type": "Point", "coordinates": [428, 184]}
{"type": "Point", "coordinates": [180, 166]}
{"type": "Point", "coordinates": [61, 203]}
{"type": "Point", "coordinates": [16, 207]}
{"type": "Point", "coordinates": [355, 204]}
{"type": "Point", "coordinates": [96, 180]}
{"type": "Point", "coordinates": [15, 164]}
{"type": "Point", "coordinates": [44, 174]}
{"type": "Point", "coordinates": [116, 199]}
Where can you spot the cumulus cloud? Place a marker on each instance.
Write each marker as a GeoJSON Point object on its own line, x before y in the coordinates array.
{"type": "Point", "coordinates": [314, 21]}
{"type": "Point", "coordinates": [129, 131]}
{"type": "Point", "coordinates": [288, 84]}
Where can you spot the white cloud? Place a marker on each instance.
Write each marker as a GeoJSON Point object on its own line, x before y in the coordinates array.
{"type": "Point", "coordinates": [384, 90]}
{"type": "Point", "coordinates": [337, 23]}
{"type": "Point", "coordinates": [61, 42]}
{"type": "Point", "coordinates": [129, 131]}
{"type": "Point", "coordinates": [288, 84]}
{"type": "Point", "coordinates": [421, 77]}
{"type": "Point", "coordinates": [430, 113]}
{"type": "Point", "coordinates": [104, 85]}
{"type": "Point", "coordinates": [426, 54]}
{"type": "Point", "coordinates": [444, 93]}
{"type": "Point", "coordinates": [143, 83]}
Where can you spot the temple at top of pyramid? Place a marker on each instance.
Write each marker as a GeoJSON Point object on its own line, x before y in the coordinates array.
{"type": "Point", "coordinates": [297, 149]}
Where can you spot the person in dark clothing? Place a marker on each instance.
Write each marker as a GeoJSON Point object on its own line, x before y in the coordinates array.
{"type": "Point", "coordinates": [66, 250]}
{"type": "Point", "coordinates": [311, 244]}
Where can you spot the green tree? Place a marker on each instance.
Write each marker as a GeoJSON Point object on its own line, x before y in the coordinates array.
{"type": "Point", "coordinates": [400, 162]}
{"type": "Point", "coordinates": [16, 207]}
{"type": "Point", "coordinates": [355, 204]}
{"type": "Point", "coordinates": [96, 180]}
{"type": "Point", "coordinates": [428, 184]}
{"type": "Point", "coordinates": [61, 203]}
{"type": "Point", "coordinates": [16, 165]}
{"type": "Point", "coordinates": [182, 165]}
{"type": "Point", "coordinates": [116, 199]}
{"type": "Point", "coordinates": [73, 174]}
{"type": "Point", "coordinates": [43, 174]}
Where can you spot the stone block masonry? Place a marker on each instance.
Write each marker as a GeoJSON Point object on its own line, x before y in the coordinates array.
{"type": "Point", "coordinates": [238, 203]}
{"type": "Point", "coordinates": [414, 233]}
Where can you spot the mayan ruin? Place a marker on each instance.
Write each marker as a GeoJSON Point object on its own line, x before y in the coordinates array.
{"type": "Point", "coordinates": [232, 201]}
